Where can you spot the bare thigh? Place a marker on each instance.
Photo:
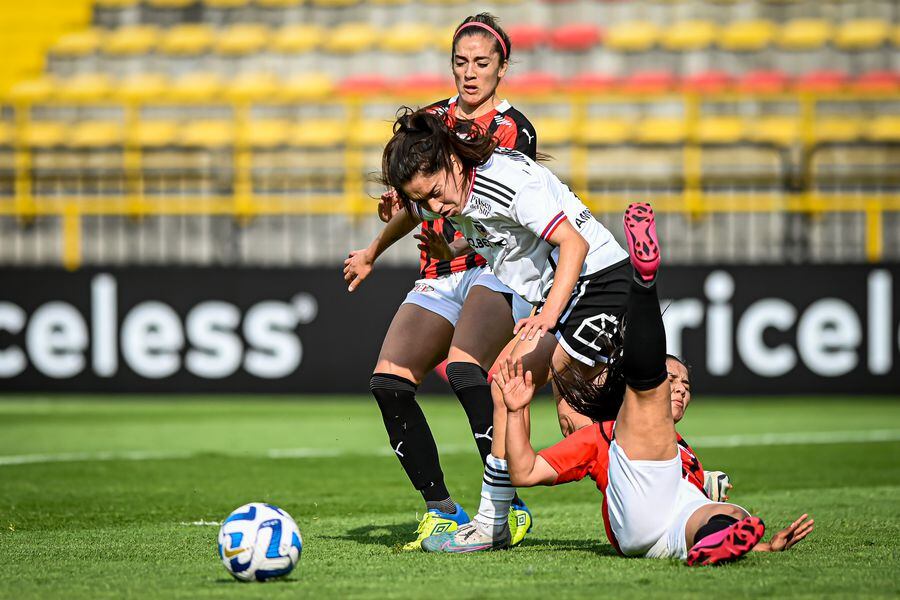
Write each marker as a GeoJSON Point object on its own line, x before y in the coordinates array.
{"type": "Point", "coordinates": [484, 328]}
{"type": "Point", "coordinates": [645, 428]}
{"type": "Point", "coordinates": [416, 342]}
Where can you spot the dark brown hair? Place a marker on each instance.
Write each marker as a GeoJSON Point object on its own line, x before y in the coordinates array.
{"type": "Point", "coordinates": [492, 22]}
{"type": "Point", "coordinates": [424, 143]}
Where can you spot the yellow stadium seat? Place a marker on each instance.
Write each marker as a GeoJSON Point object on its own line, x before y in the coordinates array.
{"type": "Point", "coordinates": [388, 2]}
{"type": "Point", "coordinates": [351, 38]}
{"type": "Point", "coordinates": [777, 130]}
{"type": "Point", "coordinates": [207, 133]}
{"type": "Point", "coordinates": [720, 130]}
{"type": "Point", "coordinates": [553, 131]}
{"type": "Point", "coordinates": [296, 39]}
{"type": "Point", "coordinates": [187, 40]}
{"type": "Point", "coordinates": [88, 87]}
{"type": "Point", "coordinates": [44, 134]}
{"type": "Point", "coordinates": [372, 132]}
{"type": "Point", "coordinates": [689, 35]}
{"type": "Point", "coordinates": [319, 133]}
{"type": "Point", "coordinates": [747, 36]}
{"type": "Point", "coordinates": [305, 87]}
{"type": "Point", "coordinates": [80, 43]}
{"type": "Point", "coordinates": [251, 87]}
{"type": "Point", "coordinates": [142, 87]}
{"type": "Point", "coordinates": [131, 40]}
{"type": "Point", "coordinates": [96, 134]}
{"type": "Point", "coordinates": [268, 133]}
{"type": "Point", "coordinates": [278, 3]}
{"type": "Point", "coordinates": [895, 36]}
{"type": "Point", "coordinates": [602, 132]}
{"type": "Point", "coordinates": [837, 129]}
{"type": "Point", "coordinates": [804, 34]}
{"type": "Point", "coordinates": [6, 134]}
{"type": "Point", "coordinates": [241, 39]}
{"type": "Point", "coordinates": [335, 3]}
{"type": "Point", "coordinates": [154, 134]}
{"type": "Point", "coordinates": [884, 129]}
{"type": "Point", "coordinates": [638, 36]}
{"type": "Point", "coordinates": [443, 37]}
{"type": "Point", "coordinates": [226, 3]}
{"type": "Point", "coordinates": [407, 37]}
{"type": "Point", "coordinates": [170, 3]}
{"type": "Point", "coordinates": [115, 3]}
{"type": "Point", "coordinates": [862, 34]}
{"type": "Point", "coordinates": [195, 87]}
{"type": "Point", "coordinates": [34, 90]}
{"type": "Point", "coordinates": [660, 130]}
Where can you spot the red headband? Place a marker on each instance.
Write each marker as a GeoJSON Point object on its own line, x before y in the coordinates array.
{"type": "Point", "coordinates": [486, 28]}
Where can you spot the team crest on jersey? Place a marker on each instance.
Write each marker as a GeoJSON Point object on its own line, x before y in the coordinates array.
{"type": "Point", "coordinates": [482, 206]}
{"type": "Point", "coordinates": [599, 332]}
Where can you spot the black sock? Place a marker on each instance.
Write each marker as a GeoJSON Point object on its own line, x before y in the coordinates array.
{"type": "Point", "coordinates": [645, 339]}
{"type": "Point", "coordinates": [469, 383]}
{"type": "Point", "coordinates": [715, 523]}
{"type": "Point", "coordinates": [409, 434]}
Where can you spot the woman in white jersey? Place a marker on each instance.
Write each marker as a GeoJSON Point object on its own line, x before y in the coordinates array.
{"type": "Point", "coordinates": [457, 310]}
{"type": "Point", "coordinates": [540, 240]}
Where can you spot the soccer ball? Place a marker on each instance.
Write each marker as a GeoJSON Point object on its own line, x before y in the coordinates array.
{"type": "Point", "coordinates": [258, 542]}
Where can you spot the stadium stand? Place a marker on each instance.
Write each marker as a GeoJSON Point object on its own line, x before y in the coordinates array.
{"type": "Point", "coordinates": [275, 111]}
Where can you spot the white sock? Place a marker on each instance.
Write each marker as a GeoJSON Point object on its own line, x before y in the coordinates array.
{"type": "Point", "coordinates": [496, 495]}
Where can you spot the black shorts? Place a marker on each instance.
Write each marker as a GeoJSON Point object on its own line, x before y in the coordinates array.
{"type": "Point", "coordinates": [591, 323]}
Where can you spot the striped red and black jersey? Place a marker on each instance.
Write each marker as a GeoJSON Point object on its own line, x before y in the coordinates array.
{"type": "Point", "coordinates": [511, 130]}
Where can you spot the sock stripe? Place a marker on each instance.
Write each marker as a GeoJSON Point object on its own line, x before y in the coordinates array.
{"type": "Point", "coordinates": [495, 473]}
{"type": "Point", "coordinates": [497, 484]}
{"type": "Point", "coordinates": [391, 382]}
{"type": "Point", "coordinates": [465, 375]}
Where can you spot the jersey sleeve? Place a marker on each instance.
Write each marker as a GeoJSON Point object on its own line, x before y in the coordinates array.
{"type": "Point", "coordinates": [523, 137]}
{"type": "Point", "coordinates": [574, 457]}
{"type": "Point", "coordinates": [538, 210]}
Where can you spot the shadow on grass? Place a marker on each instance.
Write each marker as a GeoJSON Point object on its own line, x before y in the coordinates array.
{"type": "Point", "coordinates": [389, 535]}
{"type": "Point", "coordinates": [550, 545]}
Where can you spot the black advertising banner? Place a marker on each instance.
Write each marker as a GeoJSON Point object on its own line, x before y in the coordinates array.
{"type": "Point", "coordinates": [745, 329]}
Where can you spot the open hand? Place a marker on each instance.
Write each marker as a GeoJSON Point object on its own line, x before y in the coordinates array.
{"type": "Point", "coordinates": [788, 537]}
{"type": "Point", "coordinates": [389, 205]}
{"type": "Point", "coordinates": [516, 383]}
{"type": "Point", "coordinates": [356, 268]}
{"type": "Point", "coordinates": [434, 244]}
{"type": "Point", "coordinates": [537, 324]}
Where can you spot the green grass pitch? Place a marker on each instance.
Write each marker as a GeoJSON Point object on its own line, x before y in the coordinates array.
{"type": "Point", "coordinates": [99, 498]}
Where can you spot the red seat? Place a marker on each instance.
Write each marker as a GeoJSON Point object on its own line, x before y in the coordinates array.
{"type": "Point", "coordinates": [763, 82]}
{"type": "Point", "coordinates": [707, 82]}
{"type": "Point", "coordinates": [823, 81]}
{"type": "Point", "coordinates": [592, 83]}
{"type": "Point", "coordinates": [364, 85]}
{"type": "Point", "coordinates": [649, 82]}
{"type": "Point", "coordinates": [536, 82]}
{"type": "Point", "coordinates": [526, 37]}
{"type": "Point", "coordinates": [877, 81]}
{"type": "Point", "coordinates": [575, 37]}
{"type": "Point", "coordinates": [425, 83]}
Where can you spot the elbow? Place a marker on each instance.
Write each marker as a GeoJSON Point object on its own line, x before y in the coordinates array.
{"type": "Point", "coordinates": [516, 480]}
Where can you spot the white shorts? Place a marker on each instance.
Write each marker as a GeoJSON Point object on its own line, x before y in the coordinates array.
{"type": "Point", "coordinates": [445, 295]}
{"type": "Point", "coordinates": [649, 505]}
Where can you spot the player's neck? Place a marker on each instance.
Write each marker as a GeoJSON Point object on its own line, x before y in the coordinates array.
{"type": "Point", "coordinates": [467, 111]}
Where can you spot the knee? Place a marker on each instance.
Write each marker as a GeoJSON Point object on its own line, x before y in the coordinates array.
{"type": "Point", "coordinates": [463, 375]}
{"type": "Point", "coordinates": [391, 391]}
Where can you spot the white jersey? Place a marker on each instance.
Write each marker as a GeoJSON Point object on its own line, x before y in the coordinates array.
{"type": "Point", "coordinates": [513, 207]}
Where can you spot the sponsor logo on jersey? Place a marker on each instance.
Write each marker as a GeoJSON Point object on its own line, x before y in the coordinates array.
{"type": "Point", "coordinates": [583, 217]}
{"type": "Point", "coordinates": [482, 205]}
{"type": "Point", "coordinates": [502, 121]}
{"type": "Point", "coordinates": [422, 288]}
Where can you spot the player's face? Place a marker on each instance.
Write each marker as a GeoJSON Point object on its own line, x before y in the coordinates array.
{"type": "Point", "coordinates": [477, 68]}
{"type": "Point", "coordinates": [680, 386]}
{"type": "Point", "coordinates": [441, 192]}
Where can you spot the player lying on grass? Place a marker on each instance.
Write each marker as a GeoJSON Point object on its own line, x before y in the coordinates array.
{"type": "Point", "coordinates": [649, 508]}
{"type": "Point", "coordinates": [540, 240]}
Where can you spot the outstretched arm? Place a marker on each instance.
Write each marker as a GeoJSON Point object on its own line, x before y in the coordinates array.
{"type": "Point", "coordinates": [526, 467]}
{"type": "Point", "coordinates": [788, 537]}
{"type": "Point", "coordinates": [360, 262]}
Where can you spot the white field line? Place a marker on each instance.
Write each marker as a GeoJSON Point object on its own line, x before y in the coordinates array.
{"type": "Point", "coordinates": [725, 441]}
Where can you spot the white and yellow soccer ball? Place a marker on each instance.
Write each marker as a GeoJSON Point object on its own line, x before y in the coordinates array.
{"type": "Point", "coordinates": [258, 542]}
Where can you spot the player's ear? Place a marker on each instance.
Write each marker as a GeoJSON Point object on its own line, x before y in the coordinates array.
{"type": "Point", "coordinates": [504, 65]}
